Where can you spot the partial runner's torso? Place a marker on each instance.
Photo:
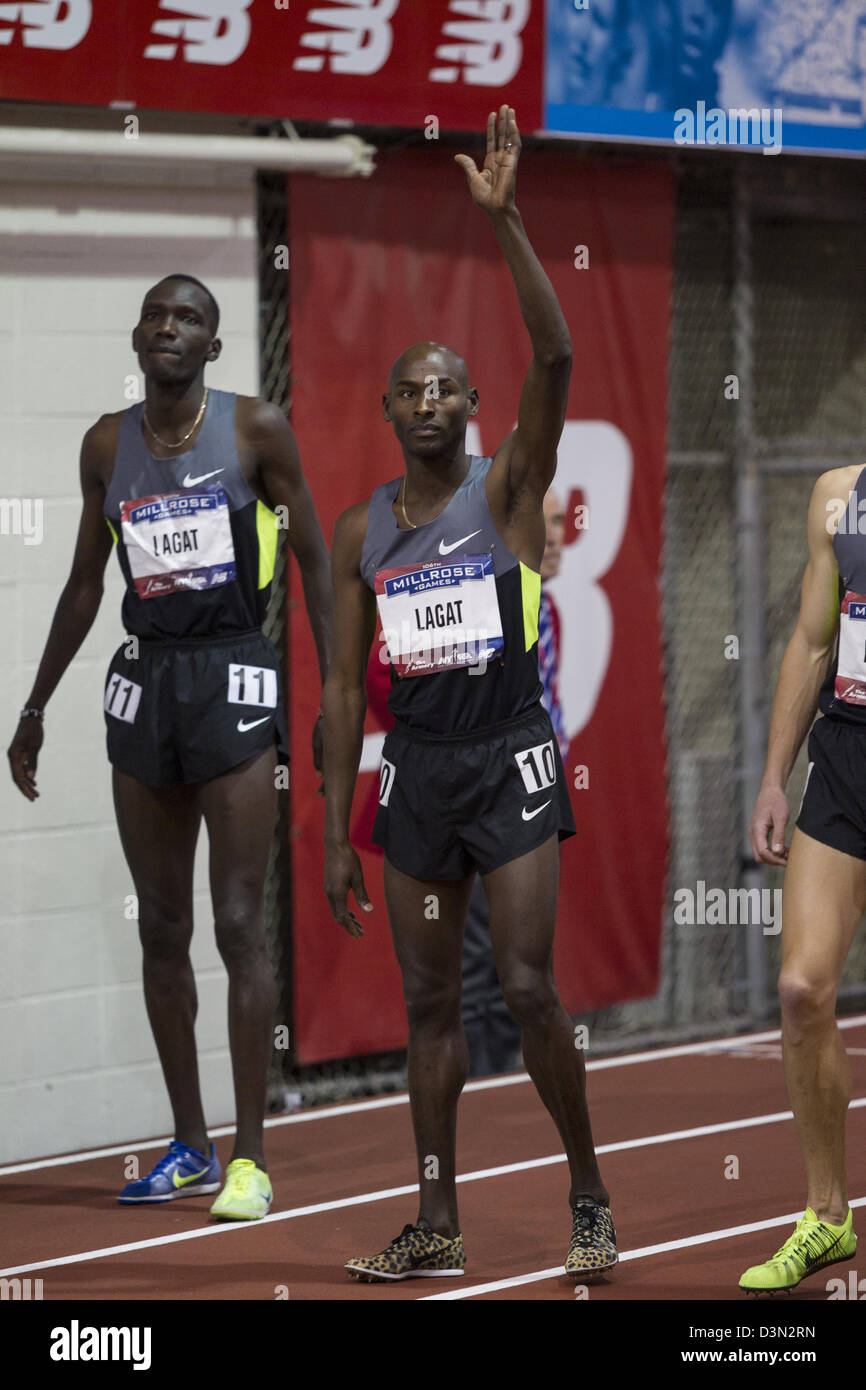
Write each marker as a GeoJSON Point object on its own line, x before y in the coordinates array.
{"type": "Point", "coordinates": [459, 612]}
{"type": "Point", "coordinates": [196, 544]}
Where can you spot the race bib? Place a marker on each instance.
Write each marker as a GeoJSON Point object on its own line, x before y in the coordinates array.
{"type": "Point", "coordinates": [439, 617]}
{"type": "Point", "coordinates": [851, 666]}
{"type": "Point", "coordinates": [122, 698]}
{"type": "Point", "coordinates": [252, 685]}
{"type": "Point", "coordinates": [179, 540]}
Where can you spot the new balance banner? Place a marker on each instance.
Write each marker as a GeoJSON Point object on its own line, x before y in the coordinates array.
{"type": "Point", "coordinates": [423, 63]}
{"type": "Point", "coordinates": [404, 257]}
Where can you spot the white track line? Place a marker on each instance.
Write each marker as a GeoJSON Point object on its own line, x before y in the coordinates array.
{"type": "Point", "coordinates": [491, 1083]}
{"type": "Point", "coordinates": [641, 1254]}
{"type": "Point", "coordinates": [385, 1193]}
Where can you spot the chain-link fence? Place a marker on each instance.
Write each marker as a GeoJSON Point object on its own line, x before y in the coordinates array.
{"type": "Point", "coordinates": [802, 308]}
{"type": "Point", "coordinates": [767, 388]}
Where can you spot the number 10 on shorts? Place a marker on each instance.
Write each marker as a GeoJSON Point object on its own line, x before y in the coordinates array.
{"type": "Point", "coordinates": [537, 766]}
{"type": "Point", "coordinates": [387, 773]}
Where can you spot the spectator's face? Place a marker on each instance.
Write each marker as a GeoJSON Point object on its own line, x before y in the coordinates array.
{"type": "Point", "coordinates": [591, 44]}
{"type": "Point", "coordinates": [554, 520]}
{"type": "Point", "coordinates": [704, 26]}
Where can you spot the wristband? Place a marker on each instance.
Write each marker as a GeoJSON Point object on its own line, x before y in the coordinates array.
{"type": "Point", "coordinates": [33, 714]}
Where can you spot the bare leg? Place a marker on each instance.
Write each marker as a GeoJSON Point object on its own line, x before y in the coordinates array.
{"type": "Point", "coordinates": [824, 899]}
{"type": "Point", "coordinates": [522, 897]}
{"type": "Point", "coordinates": [240, 810]}
{"type": "Point", "coordinates": [158, 830]}
{"type": "Point", "coordinates": [428, 950]}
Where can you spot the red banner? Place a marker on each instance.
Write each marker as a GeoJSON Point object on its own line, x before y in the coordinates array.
{"type": "Point", "coordinates": [389, 263]}
{"type": "Point", "coordinates": [397, 62]}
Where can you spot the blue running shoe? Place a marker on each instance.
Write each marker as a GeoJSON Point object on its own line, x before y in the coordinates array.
{"type": "Point", "coordinates": [182, 1172]}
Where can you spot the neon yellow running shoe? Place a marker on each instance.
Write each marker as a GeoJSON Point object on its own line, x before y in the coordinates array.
{"type": "Point", "coordinates": [813, 1245]}
{"type": "Point", "coordinates": [247, 1194]}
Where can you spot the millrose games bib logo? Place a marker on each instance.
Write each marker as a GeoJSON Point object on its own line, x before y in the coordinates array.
{"type": "Point", "coordinates": [440, 617]}
{"type": "Point", "coordinates": [77, 1343]}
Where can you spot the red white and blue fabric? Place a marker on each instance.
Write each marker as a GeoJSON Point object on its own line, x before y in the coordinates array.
{"type": "Point", "coordinates": [548, 667]}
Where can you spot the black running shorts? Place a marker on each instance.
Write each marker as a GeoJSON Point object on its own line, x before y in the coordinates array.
{"type": "Point", "coordinates": [833, 809]}
{"type": "Point", "coordinates": [451, 805]}
{"type": "Point", "coordinates": [189, 711]}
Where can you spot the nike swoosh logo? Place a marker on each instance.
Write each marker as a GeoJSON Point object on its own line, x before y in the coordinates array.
{"type": "Point", "coordinates": [811, 1261]}
{"type": "Point", "coordinates": [244, 727]}
{"type": "Point", "coordinates": [191, 482]}
{"type": "Point", "coordinates": [446, 549]}
{"type": "Point", "coordinates": [182, 1182]}
{"type": "Point", "coordinates": [536, 812]}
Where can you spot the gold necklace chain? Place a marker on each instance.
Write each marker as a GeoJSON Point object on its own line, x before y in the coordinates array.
{"type": "Point", "coordinates": [411, 524]}
{"type": "Point", "coordinates": [164, 442]}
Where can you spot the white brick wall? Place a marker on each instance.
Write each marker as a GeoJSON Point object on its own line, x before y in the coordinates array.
{"type": "Point", "coordinates": [78, 1065]}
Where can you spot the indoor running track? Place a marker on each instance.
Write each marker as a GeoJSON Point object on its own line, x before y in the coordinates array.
{"type": "Point", "coordinates": [672, 1128]}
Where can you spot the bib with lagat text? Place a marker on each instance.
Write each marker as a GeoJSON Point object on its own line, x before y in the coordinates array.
{"type": "Point", "coordinates": [179, 540]}
{"type": "Point", "coordinates": [439, 617]}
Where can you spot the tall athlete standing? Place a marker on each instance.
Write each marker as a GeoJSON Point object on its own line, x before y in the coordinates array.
{"type": "Point", "coordinates": [184, 485]}
{"type": "Point", "coordinates": [825, 879]}
{"type": "Point", "coordinates": [472, 778]}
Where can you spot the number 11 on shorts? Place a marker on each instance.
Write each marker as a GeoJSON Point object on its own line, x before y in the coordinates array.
{"type": "Point", "coordinates": [121, 698]}
{"type": "Point", "coordinates": [252, 685]}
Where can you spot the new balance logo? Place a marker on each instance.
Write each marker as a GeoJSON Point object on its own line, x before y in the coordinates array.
{"type": "Point", "coordinates": [357, 38]}
{"type": "Point", "coordinates": [56, 26]}
{"type": "Point", "coordinates": [191, 482]}
{"type": "Point", "coordinates": [483, 49]}
{"type": "Point", "coordinates": [214, 31]}
{"type": "Point", "coordinates": [529, 815]}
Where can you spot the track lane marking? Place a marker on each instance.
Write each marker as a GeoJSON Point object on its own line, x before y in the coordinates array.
{"type": "Point", "coordinates": [686, 1243]}
{"type": "Point", "coordinates": [714, 1045]}
{"type": "Point", "coordinates": [385, 1194]}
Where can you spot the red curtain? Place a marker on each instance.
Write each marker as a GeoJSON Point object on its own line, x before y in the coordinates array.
{"type": "Point", "coordinates": [406, 256]}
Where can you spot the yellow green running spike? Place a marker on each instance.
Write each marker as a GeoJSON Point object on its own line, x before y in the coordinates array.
{"type": "Point", "coordinates": [813, 1245]}
{"type": "Point", "coordinates": [247, 1194]}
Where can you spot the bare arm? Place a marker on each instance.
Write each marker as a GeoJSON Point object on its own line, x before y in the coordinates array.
{"type": "Point", "coordinates": [76, 609]}
{"type": "Point", "coordinates": [526, 460]}
{"type": "Point", "coordinates": [807, 659]}
{"type": "Point", "coordinates": [344, 702]}
{"type": "Point", "coordinates": [284, 484]}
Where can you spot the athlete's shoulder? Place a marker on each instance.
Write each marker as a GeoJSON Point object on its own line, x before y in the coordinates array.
{"type": "Point", "coordinates": [352, 523]}
{"type": "Point", "coordinates": [257, 417]}
{"type": "Point", "coordinates": [106, 426]}
{"type": "Point", "coordinates": [831, 495]}
{"type": "Point", "coordinates": [99, 445]}
{"type": "Point", "coordinates": [837, 481]}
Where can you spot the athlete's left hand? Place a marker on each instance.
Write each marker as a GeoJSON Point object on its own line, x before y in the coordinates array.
{"type": "Point", "coordinates": [492, 187]}
{"type": "Point", "coordinates": [318, 755]}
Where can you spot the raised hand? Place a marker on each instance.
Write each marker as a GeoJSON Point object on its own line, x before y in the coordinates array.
{"type": "Point", "coordinates": [492, 187]}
